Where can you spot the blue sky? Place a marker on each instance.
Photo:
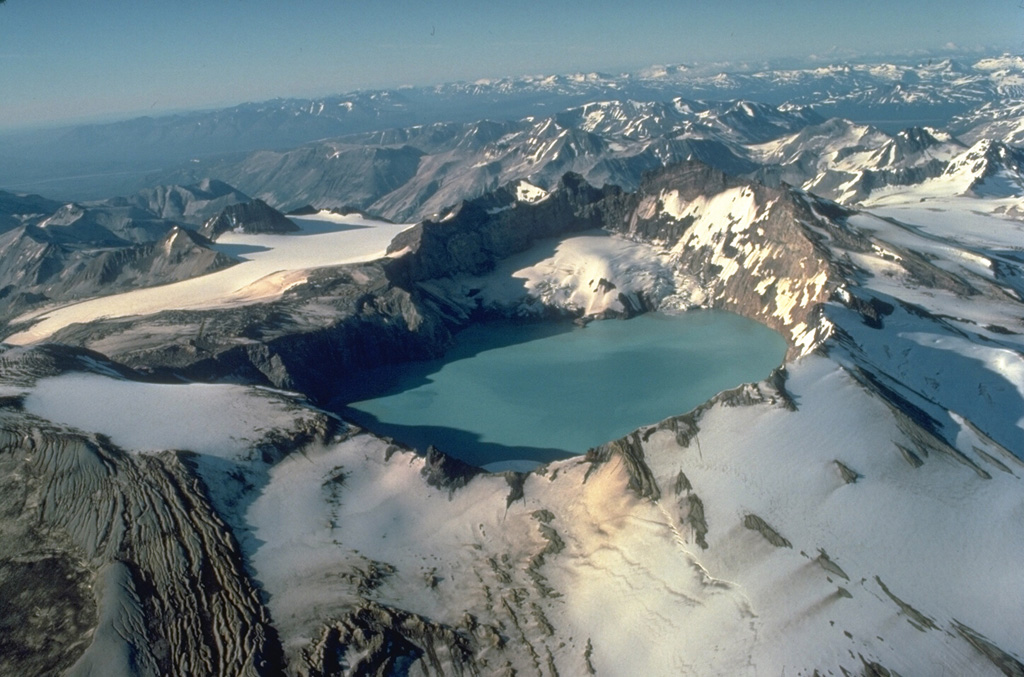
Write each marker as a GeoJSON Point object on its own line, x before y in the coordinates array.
{"type": "Point", "coordinates": [68, 59]}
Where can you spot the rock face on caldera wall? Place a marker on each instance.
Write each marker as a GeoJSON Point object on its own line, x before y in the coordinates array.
{"type": "Point", "coordinates": [753, 250]}
{"type": "Point", "coordinates": [478, 233]}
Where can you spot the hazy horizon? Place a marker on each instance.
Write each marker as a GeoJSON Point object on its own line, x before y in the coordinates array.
{"type": "Point", "coordinates": [64, 63]}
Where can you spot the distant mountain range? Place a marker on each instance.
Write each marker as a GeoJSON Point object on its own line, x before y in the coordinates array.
{"type": "Point", "coordinates": [99, 160]}
{"type": "Point", "coordinates": [413, 173]}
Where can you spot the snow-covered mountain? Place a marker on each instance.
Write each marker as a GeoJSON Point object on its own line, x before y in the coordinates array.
{"type": "Point", "coordinates": [846, 162]}
{"type": "Point", "coordinates": [410, 173]}
{"type": "Point", "coordinates": [999, 121]}
{"type": "Point", "coordinates": [92, 161]}
{"type": "Point", "coordinates": [988, 168]}
{"type": "Point", "coordinates": [856, 512]}
{"type": "Point", "coordinates": [413, 173]}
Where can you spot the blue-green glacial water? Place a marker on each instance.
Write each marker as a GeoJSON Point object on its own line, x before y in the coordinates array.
{"type": "Point", "coordinates": [540, 392]}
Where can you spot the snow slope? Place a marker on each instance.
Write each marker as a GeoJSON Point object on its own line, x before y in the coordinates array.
{"type": "Point", "coordinates": [227, 421]}
{"type": "Point", "coordinates": [595, 274]}
{"type": "Point", "coordinates": [774, 540]}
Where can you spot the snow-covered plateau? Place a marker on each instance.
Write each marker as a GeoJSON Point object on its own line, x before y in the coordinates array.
{"type": "Point", "coordinates": [176, 499]}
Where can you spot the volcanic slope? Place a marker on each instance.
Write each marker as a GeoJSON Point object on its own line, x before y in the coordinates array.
{"type": "Point", "coordinates": [859, 511]}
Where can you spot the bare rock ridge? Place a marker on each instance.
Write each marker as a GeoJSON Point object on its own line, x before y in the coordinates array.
{"type": "Point", "coordinates": [54, 251]}
{"type": "Point", "coordinates": [478, 233]}
{"type": "Point", "coordinates": [16, 210]}
{"type": "Point", "coordinates": [248, 217]}
{"type": "Point", "coordinates": [338, 322]}
{"type": "Point", "coordinates": [193, 204]}
{"type": "Point", "coordinates": [37, 265]}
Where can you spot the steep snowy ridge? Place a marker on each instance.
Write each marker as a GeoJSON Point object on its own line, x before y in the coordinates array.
{"type": "Point", "coordinates": [752, 122]}
{"type": "Point", "coordinates": [745, 247]}
{"type": "Point", "coordinates": [826, 142]}
{"type": "Point", "coordinates": [999, 121]}
{"type": "Point", "coordinates": [988, 168]}
{"type": "Point", "coordinates": [847, 162]}
{"type": "Point", "coordinates": [1006, 73]}
{"type": "Point", "coordinates": [628, 119]}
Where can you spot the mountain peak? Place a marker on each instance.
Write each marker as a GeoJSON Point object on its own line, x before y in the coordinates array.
{"type": "Point", "coordinates": [989, 167]}
{"type": "Point", "coordinates": [249, 217]}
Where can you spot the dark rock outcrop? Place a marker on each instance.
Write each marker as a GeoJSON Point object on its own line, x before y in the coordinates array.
{"type": "Point", "coordinates": [192, 204]}
{"type": "Point", "coordinates": [377, 640]}
{"type": "Point", "coordinates": [631, 452]}
{"type": "Point", "coordinates": [476, 235]}
{"type": "Point", "coordinates": [249, 217]}
{"type": "Point", "coordinates": [18, 210]}
{"type": "Point", "coordinates": [343, 320]}
{"type": "Point", "coordinates": [755, 523]}
{"type": "Point", "coordinates": [128, 542]}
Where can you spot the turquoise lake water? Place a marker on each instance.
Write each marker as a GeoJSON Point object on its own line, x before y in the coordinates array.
{"type": "Point", "coordinates": [540, 392]}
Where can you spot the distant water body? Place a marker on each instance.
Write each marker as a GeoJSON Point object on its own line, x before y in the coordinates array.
{"type": "Point", "coordinates": [539, 392]}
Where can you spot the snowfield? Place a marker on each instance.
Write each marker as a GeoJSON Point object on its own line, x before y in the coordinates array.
{"type": "Point", "coordinates": [271, 264]}
{"type": "Point", "coordinates": [594, 273]}
{"type": "Point", "coordinates": [226, 421]}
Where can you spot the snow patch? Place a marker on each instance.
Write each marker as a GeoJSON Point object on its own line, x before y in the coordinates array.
{"type": "Point", "coordinates": [529, 193]}
{"type": "Point", "coordinates": [219, 420]}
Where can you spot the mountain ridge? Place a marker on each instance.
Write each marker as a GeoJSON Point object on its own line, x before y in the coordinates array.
{"type": "Point", "coordinates": [925, 93]}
